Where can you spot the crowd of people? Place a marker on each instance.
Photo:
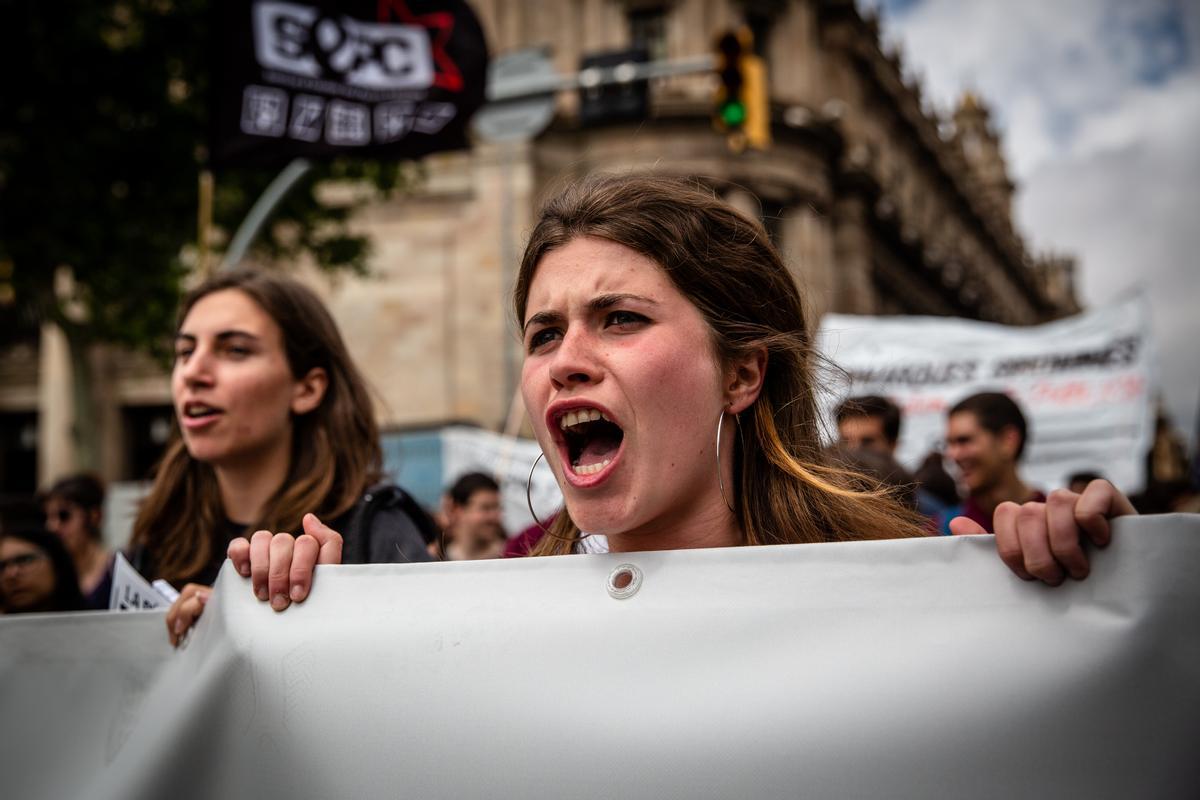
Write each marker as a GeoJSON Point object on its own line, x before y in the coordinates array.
{"type": "Point", "coordinates": [668, 378]}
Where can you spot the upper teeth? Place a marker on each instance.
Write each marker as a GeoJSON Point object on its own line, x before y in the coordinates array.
{"type": "Point", "coordinates": [194, 411]}
{"type": "Point", "coordinates": [579, 416]}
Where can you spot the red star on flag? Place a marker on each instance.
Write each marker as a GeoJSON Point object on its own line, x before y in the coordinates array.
{"type": "Point", "coordinates": [440, 24]}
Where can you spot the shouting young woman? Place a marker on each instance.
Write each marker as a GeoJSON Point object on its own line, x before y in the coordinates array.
{"type": "Point", "coordinates": [669, 379]}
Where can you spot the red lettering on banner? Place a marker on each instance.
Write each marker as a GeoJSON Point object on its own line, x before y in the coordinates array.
{"type": "Point", "coordinates": [1062, 393]}
{"type": "Point", "coordinates": [924, 405]}
{"type": "Point", "coordinates": [1123, 388]}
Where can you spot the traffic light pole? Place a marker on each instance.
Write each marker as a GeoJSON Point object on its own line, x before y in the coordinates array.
{"type": "Point", "coordinates": [262, 208]}
{"type": "Point", "coordinates": [630, 72]}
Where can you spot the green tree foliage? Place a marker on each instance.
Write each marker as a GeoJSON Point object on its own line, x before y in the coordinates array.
{"type": "Point", "coordinates": [103, 118]}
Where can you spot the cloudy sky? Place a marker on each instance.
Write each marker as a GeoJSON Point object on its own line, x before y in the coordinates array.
{"type": "Point", "coordinates": [1099, 105]}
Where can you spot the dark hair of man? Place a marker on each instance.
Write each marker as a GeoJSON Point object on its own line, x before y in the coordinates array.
{"type": "Point", "coordinates": [933, 478]}
{"type": "Point", "coordinates": [66, 596]}
{"type": "Point", "coordinates": [1084, 477]}
{"type": "Point", "coordinates": [83, 490]}
{"type": "Point", "coordinates": [470, 483]}
{"type": "Point", "coordinates": [995, 411]}
{"type": "Point", "coordinates": [872, 405]}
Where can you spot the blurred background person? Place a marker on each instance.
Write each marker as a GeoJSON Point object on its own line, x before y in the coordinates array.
{"type": "Point", "coordinates": [938, 489]}
{"type": "Point", "coordinates": [74, 508]}
{"type": "Point", "coordinates": [473, 519]}
{"type": "Point", "coordinates": [985, 437]}
{"type": "Point", "coordinates": [523, 543]}
{"type": "Point", "coordinates": [1170, 485]}
{"type": "Point", "coordinates": [37, 573]}
{"type": "Point", "coordinates": [869, 422]}
{"type": "Point", "coordinates": [1079, 480]}
{"type": "Point", "coordinates": [873, 469]}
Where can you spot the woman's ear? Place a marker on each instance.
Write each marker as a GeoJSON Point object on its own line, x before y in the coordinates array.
{"type": "Point", "coordinates": [744, 380]}
{"type": "Point", "coordinates": [309, 391]}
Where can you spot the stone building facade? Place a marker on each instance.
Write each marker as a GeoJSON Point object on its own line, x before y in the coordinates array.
{"type": "Point", "coordinates": [880, 204]}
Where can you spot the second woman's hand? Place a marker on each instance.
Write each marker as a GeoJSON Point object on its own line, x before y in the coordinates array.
{"type": "Point", "coordinates": [1044, 541]}
{"type": "Point", "coordinates": [280, 566]}
{"type": "Point", "coordinates": [186, 610]}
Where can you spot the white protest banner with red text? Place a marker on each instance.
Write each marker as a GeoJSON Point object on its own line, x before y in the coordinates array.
{"type": "Point", "coordinates": [1086, 383]}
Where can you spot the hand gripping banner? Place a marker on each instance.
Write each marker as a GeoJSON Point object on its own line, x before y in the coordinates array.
{"type": "Point", "coordinates": [313, 78]}
{"type": "Point", "coordinates": [899, 669]}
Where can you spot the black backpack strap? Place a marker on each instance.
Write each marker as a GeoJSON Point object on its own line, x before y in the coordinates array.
{"type": "Point", "coordinates": [357, 536]}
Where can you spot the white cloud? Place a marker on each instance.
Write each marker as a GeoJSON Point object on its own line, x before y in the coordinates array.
{"type": "Point", "coordinates": [1099, 104]}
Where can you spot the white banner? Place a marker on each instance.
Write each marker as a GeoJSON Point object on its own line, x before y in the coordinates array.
{"type": "Point", "coordinates": [899, 669]}
{"type": "Point", "coordinates": [71, 689]}
{"type": "Point", "coordinates": [1086, 383]}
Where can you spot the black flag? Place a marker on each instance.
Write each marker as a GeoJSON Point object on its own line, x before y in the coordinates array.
{"type": "Point", "coordinates": [313, 79]}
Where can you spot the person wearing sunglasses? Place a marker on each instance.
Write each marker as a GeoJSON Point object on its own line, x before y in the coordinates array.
{"type": "Point", "coordinates": [37, 574]}
{"type": "Point", "coordinates": [74, 510]}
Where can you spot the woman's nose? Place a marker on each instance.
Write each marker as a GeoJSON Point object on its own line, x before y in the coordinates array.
{"type": "Point", "coordinates": [574, 360]}
{"type": "Point", "coordinates": [197, 368]}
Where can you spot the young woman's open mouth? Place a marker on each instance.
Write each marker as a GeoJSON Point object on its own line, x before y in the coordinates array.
{"type": "Point", "coordinates": [198, 415]}
{"type": "Point", "coordinates": [589, 442]}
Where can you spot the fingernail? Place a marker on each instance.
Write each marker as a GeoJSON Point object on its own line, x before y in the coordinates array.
{"type": "Point", "coordinates": [261, 594]}
{"type": "Point", "coordinates": [179, 627]}
{"type": "Point", "coordinates": [280, 601]}
{"type": "Point", "coordinates": [297, 592]}
{"type": "Point", "coordinates": [244, 571]}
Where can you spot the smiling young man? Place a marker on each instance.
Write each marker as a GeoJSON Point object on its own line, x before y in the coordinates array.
{"type": "Point", "coordinates": [985, 437]}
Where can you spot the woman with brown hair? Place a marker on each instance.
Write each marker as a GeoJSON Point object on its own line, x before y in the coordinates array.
{"type": "Point", "coordinates": [275, 422]}
{"type": "Point", "coordinates": [669, 378]}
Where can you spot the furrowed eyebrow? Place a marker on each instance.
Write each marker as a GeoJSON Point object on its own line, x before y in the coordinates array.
{"type": "Point", "coordinates": [542, 318]}
{"type": "Point", "coordinates": [598, 303]}
{"type": "Point", "coordinates": [606, 301]}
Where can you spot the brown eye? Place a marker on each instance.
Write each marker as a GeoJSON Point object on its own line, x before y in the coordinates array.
{"type": "Point", "coordinates": [542, 337]}
{"type": "Point", "coordinates": [624, 318]}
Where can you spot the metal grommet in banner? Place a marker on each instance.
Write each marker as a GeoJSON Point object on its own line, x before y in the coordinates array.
{"type": "Point", "coordinates": [624, 581]}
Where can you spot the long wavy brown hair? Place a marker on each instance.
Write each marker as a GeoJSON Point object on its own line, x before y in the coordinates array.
{"type": "Point", "coordinates": [725, 264]}
{"type": "Point", "coordinates": [335, 448]}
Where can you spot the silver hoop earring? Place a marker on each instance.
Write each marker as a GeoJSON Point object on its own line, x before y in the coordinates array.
{"type": "Point", "coordinates": [529, 502]}
{"type": "Point", "coordinates": [720, 479]}
{"type": "Point", "coordinates": [528, 489]}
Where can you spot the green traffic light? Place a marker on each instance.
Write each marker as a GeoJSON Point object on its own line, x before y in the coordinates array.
{"type": "Point", "coordinates": [733, 114]}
